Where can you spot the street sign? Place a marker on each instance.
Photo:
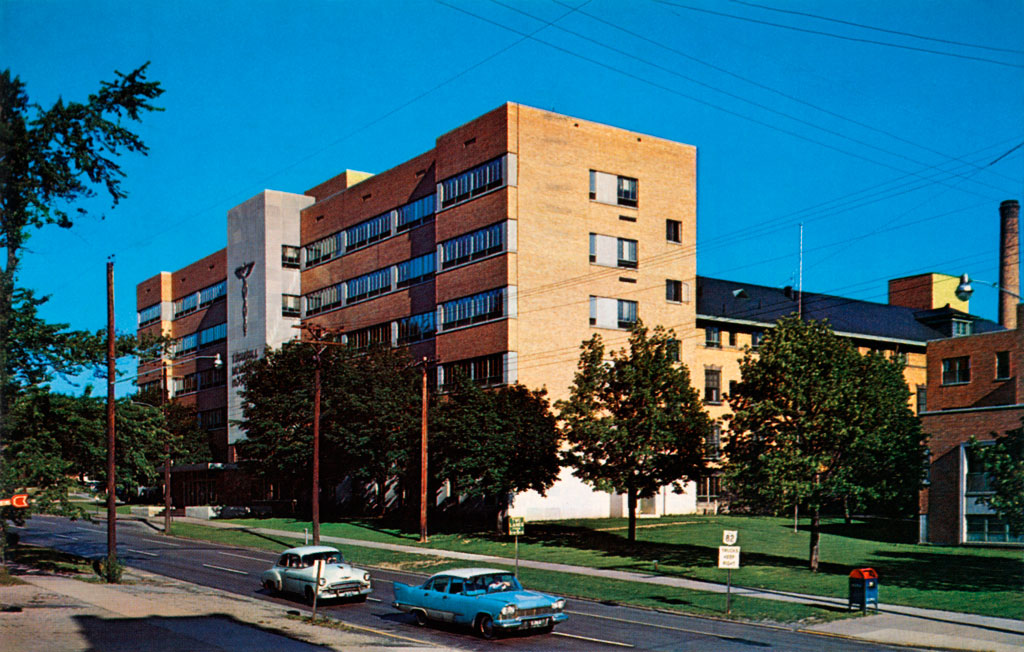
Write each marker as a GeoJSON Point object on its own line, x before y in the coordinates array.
{"type": "Point", "coordinates": [729, 557]}
{"type": "Point", "coordinates": [17, 500]}
{"type": "Point", "coordinates": [729, 537]}
{"type": "Point", "coordinates": [516, 525]}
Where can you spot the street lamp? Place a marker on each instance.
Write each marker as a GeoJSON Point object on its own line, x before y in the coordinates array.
{"type": "Point", "coordinates": [964, 289]}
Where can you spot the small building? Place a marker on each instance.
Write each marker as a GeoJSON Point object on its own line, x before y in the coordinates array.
{"type": "Point", "coordinates": [975, 389]}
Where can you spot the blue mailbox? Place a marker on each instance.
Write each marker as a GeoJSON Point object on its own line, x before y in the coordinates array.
{"type": "Point", "coordinates": [863, 588]}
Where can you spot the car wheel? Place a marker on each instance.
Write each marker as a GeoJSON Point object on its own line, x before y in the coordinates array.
{"type": "Point", "coordinates": [309, 595]}
{"type": "Point", "coordinates": [548, 629]}
{"type": "Point", "coordinates": [359, 598]}
{"type": "Point", "coordinates": [485, 626]}
{"type": "Point", "coordinates": [270, 586]}
{"type": "Point", "coordinates": [421, 617]}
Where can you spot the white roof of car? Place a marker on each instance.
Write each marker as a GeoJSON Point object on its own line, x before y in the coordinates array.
{"type": "Point", "coordinates": [471, 572]}
{"type": "Point", "coordinates": [308, 550]}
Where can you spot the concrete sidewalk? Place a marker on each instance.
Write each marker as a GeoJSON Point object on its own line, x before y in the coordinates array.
{"type": "Point", "coordinates": [893, 624]}
{"type": "Point", "coordinates": [58, 613]}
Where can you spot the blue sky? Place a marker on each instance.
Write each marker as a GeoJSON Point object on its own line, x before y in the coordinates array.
{"type": "Point", "coordinates": [890, 156]}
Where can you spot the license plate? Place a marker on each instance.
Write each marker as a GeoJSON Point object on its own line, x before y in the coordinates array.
{"type": "Point", "coordinates": [541, 622]}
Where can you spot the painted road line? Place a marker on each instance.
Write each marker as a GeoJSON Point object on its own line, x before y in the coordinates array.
{"type": "Point", "coordinates": [232, 554]}
{"type": "Point", "coordinates": [142, 552]}
{"type": "Point", "coordinates": [229, 570]}
{"type": "Point", "coordinates": [63, 536]}
{"type": "Point", "coordinates": [162, 543]}
{"type": "Point", "coordinates": [592, 640]}
{"type": "Point", "coordinates": [374, 599]}
{"type": "Point", "coordinates": [657, 626]}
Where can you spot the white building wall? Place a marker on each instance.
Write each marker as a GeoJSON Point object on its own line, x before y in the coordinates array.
{"type": "Point", "coordinates": [256, 230]}
{"type": "Point", "coordinates": [570, 497]}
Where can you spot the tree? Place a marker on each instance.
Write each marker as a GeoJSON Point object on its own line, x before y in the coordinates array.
{"type": "Point", "coordinates": [634, 423]}
{"type": "Point", "coordinates": [49, 159]}
{"type": "Point", "coordinates": [1003, 462]}
{"type": "Point", "coordinates": [495, 443]}
{"type": "Point", "coordinates": [813, 420]}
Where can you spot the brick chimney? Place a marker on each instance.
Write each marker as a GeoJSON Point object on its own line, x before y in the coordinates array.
{"type": "Point", "coordinates": [1009, 262]}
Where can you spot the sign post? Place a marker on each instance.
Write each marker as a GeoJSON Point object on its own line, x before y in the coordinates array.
{"type": "Point", "coordinates": [516, 526]}
{"type": "Point", "coordinates": [729, 558]}
{"type": "Point", "coordinates": [316, 589]}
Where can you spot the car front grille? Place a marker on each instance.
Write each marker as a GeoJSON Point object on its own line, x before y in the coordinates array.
{"type": "Point", "coordinates": [352, 585]}
{"type": "Point", "coordinates": [536, 611]}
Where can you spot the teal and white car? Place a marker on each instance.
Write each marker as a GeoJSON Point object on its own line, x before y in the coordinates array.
{"type": "Point", "coordinates": [296, 572]}
{"type": "Point", "coordinates": [487, 599]}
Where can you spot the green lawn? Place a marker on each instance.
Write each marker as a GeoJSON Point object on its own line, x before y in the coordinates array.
{"type": "Point", "coordinates": [978, 580]}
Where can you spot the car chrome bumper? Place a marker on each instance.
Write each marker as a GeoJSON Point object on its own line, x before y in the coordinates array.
{"type": "Point", "coordinates": [531, 622]}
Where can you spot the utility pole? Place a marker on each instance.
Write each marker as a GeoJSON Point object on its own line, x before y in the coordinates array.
{"type": "Point", "coordinates": [317, 332]}
{"type": "Point", "coordinates": [423, 458]}
{"type": "Point", "coordinates": [111, 497]}
{"type": "Point", "coordinates": [167, 451]}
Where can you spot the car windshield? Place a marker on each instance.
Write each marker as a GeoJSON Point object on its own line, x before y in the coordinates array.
{"type": "Point", "coordinates": [329, 557]}
{"type": "Point", "coordinates": [493, 582]}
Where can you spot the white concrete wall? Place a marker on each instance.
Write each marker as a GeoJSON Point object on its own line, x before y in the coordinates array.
{"type": "Point", "coordinates": [256, 230]}
{"type": "Point", "coordinates": [570, 497]}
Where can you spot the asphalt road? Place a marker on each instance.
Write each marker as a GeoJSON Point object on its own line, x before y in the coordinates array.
{"type": "Point", "coordinates": [591, 625]}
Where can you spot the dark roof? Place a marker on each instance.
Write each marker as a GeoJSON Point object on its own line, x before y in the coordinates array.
{"type": "Point", "coordinates": [758, 303]}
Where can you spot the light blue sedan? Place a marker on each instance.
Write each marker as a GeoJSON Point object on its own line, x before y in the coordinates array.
{"type": "Point", "coordinates": [487, 599]}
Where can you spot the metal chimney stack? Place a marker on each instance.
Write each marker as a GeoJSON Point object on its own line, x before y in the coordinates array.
{"type": "Point", "coordinates": [1009, 262]}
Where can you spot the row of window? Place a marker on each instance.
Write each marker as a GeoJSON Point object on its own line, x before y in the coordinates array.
{"type": "Point", "coordinates": [472, 246]}
{"type": "Point", "coordinates": [713, 338]}
{"type": "Point", "coordinates": [472, 183]}
{"type": "Point", "coordinates": [199, 339]}
{"type": "Point", "coordinates": [213, 419]}
{"type": "Point", "coordinates": [205, 379]}
{"type": "Point", "coordinates": [190, 303]}
{"type": "Point", "coordinates": [362, 234]}
{"type": "Point", "coordinates": [149, 315]}
{"type": "Point", "coordinates": [612, 313]}
{"type": "Point", "coordinates": [957, 371]}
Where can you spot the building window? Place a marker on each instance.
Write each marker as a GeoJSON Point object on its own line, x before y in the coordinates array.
{"type": "Point", "coordinates": [486, 371]}
{"type": "Point", "coordinates": [149, 315]}
{"type": "Point", "coordinates": [416, 270]}
{"type": "Point", "coordinates": [709, 488]}
{"type": "Point", "coordinates": [185, 344]}
{"type": "Point", "coordinates": [291, 305]}
{"type": "Point", "coordinates": [713, 386]}
{"type": "Point", "coordinates": [673, 290]}
{"type": "Point", "coordinates": [415, 213]}
{"type": "Point", "coordinates": [213, 293]}
{"type": "Point", "coordinates": [213, 334]}
{"type": "Point", "coordinates": [472, 183]}
{"type": "Point", "coordinates": [213, 377]}
{"type": "Point", "coordinates": [186, 384]}
{"type": "Point", "coordinates": [324, 249]}
{"type": "Point", "coordinates": [627, 191]}
{"type": "Point", "coordinates": [416, 328]}
{"type": "Point", "coordinates": [368, 232]}
{"type": "Point", "coordinates": [212, 419]}
{"type": "Point", "coordinates": [672, 349]}
{"type": "Point", "coordinates": [956, 371]}
{"type": "Point", "coordinates": [368, 285]}
{"type": "Point", "coordinates": [365, 338]}
{"type": "Point", "coordinates": [627, 253]}
{"type": "Point", "coordinates": [713, 446]}
{"type": "Point", "coordinates": [732, 338]}
{"type": "Point", "coordinates": [674, 231]}
{"type": "Point", "coordinates": [186, 305]}
{"type": "Point", "coordinates": [962, 328]}
{"type": "Point", "coordinates": [473, 309]}
{"type": "Point", "coordinates": [612, 189]}
{"type": "Point", "coordinates": [627, 313]}
{"type": "Point", "coordinates": [712, 337]}
{"type": "Point", "coordinates": [323, 299]}
{"type": "Point", "coordinates": [756, 338]}
{"type": "Point", "coordinates": [1002, 365]}
{"type": "Point", "coordinates": [922, 398]}
{"type": "Point", "coordinates": [290, 256]}
{"type": "Point", "coordinates": [473, 246]}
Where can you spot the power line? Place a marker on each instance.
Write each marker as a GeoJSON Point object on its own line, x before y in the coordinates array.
{"type": "Point", "coordinates": [876, 29]}
{"type": "Point", "coordinates": [840, 36]}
